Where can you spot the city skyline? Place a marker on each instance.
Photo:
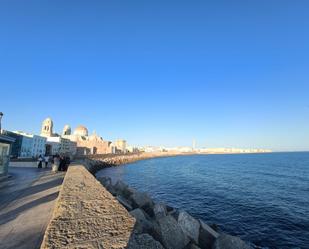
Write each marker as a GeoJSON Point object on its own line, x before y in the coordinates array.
{"type": "Point", "coordinates": [160, 73]}
{"type": "Point", "coordinates": [194, 146]}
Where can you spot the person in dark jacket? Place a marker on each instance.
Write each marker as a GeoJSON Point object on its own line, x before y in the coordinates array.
{"type": "Point", "coordinates": [40, 159]}
{"type": "Point", "coordinates": [67, 162]}
{"type": "Point", "coordinates": [62, 163]}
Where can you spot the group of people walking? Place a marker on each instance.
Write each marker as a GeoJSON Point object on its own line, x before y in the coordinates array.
{"type": "Point", "coordinates": [59, 162]}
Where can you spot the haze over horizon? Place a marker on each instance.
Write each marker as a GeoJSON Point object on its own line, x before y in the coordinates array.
{"type": "Point", "coordinates": [228, 74]}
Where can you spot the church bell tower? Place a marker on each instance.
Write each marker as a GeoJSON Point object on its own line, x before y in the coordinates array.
{"type": "Point", "coordinates": [47, 128]}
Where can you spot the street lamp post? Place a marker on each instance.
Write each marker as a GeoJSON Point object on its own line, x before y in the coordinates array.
{"type": "Point", "coordinates": [1, 115]}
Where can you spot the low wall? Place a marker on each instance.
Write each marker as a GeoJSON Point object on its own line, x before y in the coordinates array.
{"type": "Point", "coordinates": [86, 215]}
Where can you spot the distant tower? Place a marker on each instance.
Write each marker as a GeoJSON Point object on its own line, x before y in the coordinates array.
{"type": "Point", "coordinates": [193, 144]}
{"type": "Point", "coordinates": [47, 128]}
{"type": "Point", "coordinates": [66, 130]}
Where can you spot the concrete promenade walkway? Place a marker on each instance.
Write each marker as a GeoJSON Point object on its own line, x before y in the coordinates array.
{"type": "Point", "coordinates": [26, 204]}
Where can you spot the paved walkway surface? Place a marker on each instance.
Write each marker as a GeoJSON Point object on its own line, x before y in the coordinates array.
{"type": "Point", "coordinates": [27, 200]}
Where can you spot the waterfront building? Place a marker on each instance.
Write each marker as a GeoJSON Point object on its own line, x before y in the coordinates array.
{"type": "Point", "coordinates": [121, 145]}
{"type": "Point", "coordinates": [53, 145]}
{"type": "Point", "coordinates": [79, 142]}
{"type": "Point", "coordinates": [93, 144]}
{"type": "Point", "coordinates": [26, 145]}
{"type": "Point", "coordinates": [38, 145]}
{"type": "Point", "coordinates": [131, 149]}
{"type": "Point", "coordinates": [232, 150]}
{"type": "Point", "coordinates": [151, 149]}
{"type": "Point", "coordinates": [60, 145]}
{"type": "Point", "coordinates": [181, 149]}
{"type": "Point", "coordinates": [5, 150]}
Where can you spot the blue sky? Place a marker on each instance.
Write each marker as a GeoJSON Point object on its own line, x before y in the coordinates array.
{"type": "Point", "coordinates": [227, 73]}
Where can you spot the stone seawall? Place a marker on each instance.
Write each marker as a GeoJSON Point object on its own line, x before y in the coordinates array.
{"type": "Point", "coordinates": [87, 216]}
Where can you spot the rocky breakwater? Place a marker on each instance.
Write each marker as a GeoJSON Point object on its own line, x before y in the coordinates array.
{"type": "Point", "coordinates": [94, 164]}
{"type": "Point", "coordinates": [160, 226]}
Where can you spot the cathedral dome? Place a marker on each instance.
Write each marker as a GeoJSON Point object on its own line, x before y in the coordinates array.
{"type": "Point", "coordinates": [81, 131]}
{"type": "Point", "coordinates": [66, 130]}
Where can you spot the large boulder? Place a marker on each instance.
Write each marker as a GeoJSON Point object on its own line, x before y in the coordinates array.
{"type": "Point", "coordinates": [105, 180]}
{"type": "Point", "coordinates": [143, 241]}
{"type": "Point", "coordinates": [225, 241]}
{"type": "Point", "coordinates": [170, 234]}
{"type": "Point", "coordinates": [123, 189]}
{"type": "Point", "coordinates": [191, 245]}
{"type": "Point", "coordinates": [159, 210]}
{"type": "Point", "coordinates": [124, 202]}
{"type": "Point", "coordinates": [142, 225]}
{"type": "Point", "coordinates": [129, 191]}
{"type": "Point", "coordinates": [189, 225]}
{"type": "Point", "coordinates": [142, 200]}
{"type": "Point", "coordinates": [174, 213]}
{"type": "Point", "coordinates": [110, 188]}
{"type": "Point", "coordinates": [169, 208]}
{"type": "Point", "coordinates": [207, 236]}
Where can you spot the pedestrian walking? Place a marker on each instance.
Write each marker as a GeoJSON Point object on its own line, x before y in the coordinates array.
{"type": "Point", "coordinates": [46, 160]}
{"type": "Point", "coordinates": [40, 160]}
{"type": "Point", "coordinates": [62, 164]}
{"type": "Point", "coordinates": [67, 162]}
{"type": "Point", "coordinates": [56, 164]}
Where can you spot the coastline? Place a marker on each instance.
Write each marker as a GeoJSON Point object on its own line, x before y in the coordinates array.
{"type": "Point", "coordinates": [94, 163]}
{"type": "Point", "coordinates": [98, 162]}
{"type": "Point", "coordinates": [173, 228]}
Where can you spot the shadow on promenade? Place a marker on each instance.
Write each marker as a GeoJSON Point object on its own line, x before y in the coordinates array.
{"type": "Point", "coordinates": [7, 197]}
{"type": "Point", "coordinates": [11, 215]}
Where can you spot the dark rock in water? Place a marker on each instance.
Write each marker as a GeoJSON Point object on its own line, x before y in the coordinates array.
{"type": "Point", "coordinates": [111, 189]}
{"type": "Point", "coordinates": [122, 189]}
{"type": "Point", "coordinates": [174, 213]}
{"type": "Point", "coordinates": [215, 227]}
{"type": "Point", "coordinates": [170, 234]}
{"type": "Point", "coordinates": [124, 202]}
{"type": "Point", "coordinates": [189, 225]}
{"type": "Point", "coordinates": [141, 200]}
{"type": "Point", "coordinates": [207, 236]}
{"type": "Point", "coordinates": [143, 241]}
{"type": "Point", "coordinates": [104, 180]}
{"type": "Point", "coordinates": [142, 225]}
{"type": "Point", "coordinates": [159, 210]}
{"type": "Point", "coordinates": [225, 241]}
{"type": "Point", "coordinates": [191, 245]}
{"type": "Point", "coordinates": [169, 208]}
{"type": "Point", "coordinates": [149, 210]}
{"type": "Point", "coordinates": [129, 191]}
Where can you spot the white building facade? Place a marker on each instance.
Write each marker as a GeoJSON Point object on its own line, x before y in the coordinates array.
{"type": "Point", "coordinates": [121, 145]}
{"type": "Point", "coordinates": [38, 145]}
{"type": "Point", "coordinates": [60, 145]}
{"type": "Point", "coordinates": [31, 145]}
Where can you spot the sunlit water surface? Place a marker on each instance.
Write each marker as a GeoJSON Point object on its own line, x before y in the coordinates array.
{"type": "Point", "coordinates": [263, 198]}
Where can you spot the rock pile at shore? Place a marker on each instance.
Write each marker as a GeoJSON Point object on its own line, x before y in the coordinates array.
{"type": "Point", "coordinates": [160, 226]}
{"type": "Point", "coordinates": [94, 165]}
{"type": "Point", "coordinates": [105, 161]}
